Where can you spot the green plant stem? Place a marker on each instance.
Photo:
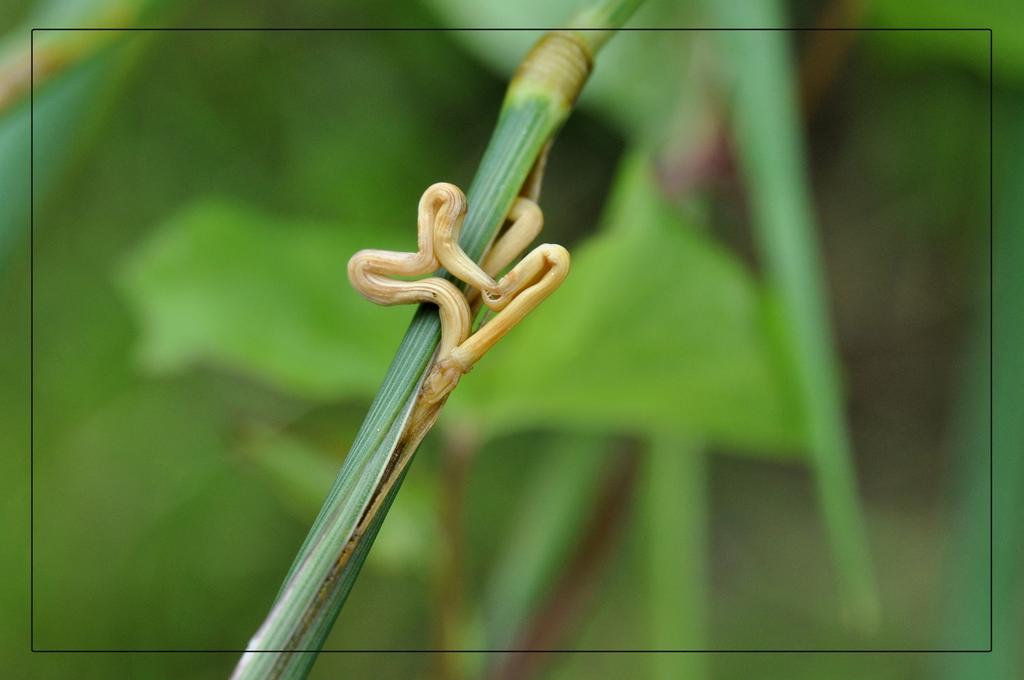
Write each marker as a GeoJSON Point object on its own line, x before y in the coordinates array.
{"type": "Point", "coordinates": [537, 103]}
{"type": "Point", "coordinates": [765, 122]}
{"type": "Point", "coordinates": [597, 23]}
{"type": "Point", "coordinates": [990, 425]}
{"type": "Point", "coordinates": [675, 510]}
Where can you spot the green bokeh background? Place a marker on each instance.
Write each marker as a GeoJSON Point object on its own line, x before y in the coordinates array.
{"type": "Point", "coordinates": [201, 366]}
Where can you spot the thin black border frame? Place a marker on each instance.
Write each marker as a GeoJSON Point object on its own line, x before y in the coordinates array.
{"type": "Point", "coordinates": [991, 266]}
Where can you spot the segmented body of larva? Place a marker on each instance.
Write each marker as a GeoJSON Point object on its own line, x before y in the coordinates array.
{"type": "Point", "coordinates": [441, 210]}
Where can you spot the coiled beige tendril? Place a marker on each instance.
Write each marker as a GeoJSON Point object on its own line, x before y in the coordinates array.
{"type": "Point", "coordinates": [441, 210]}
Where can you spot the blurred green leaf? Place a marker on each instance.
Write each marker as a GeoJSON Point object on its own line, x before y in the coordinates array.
{"type": "Point", "coordinates": [14, 150]}
{"type": "Point", "coordinates": [656, 329]}
{"type": "Point", "coordinates": [62, 110]}
{"type": "Point", "coordinates": [298, 472]}
{"type": "Point", "coordinates": [766, 128]}
{"type": "Point", "coordinates": [141, 484]}
{"type": "Point", "coordinates": [226, 284]}
{"type": "Point", "coordinates": [1005, 18]}
{"type": "Point", "coordinates": [77, 72]}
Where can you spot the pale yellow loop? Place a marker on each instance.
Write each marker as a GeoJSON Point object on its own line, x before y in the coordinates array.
{"type": "Point", "coordinates": [369, 271]}
{"type": "Point", "coordinates": [441, 210]}
{"type": "Point", "coordinates": [527, 222]}
{"type": "Point", "coordinates": [535, 277]}
{"type": "Point", "coordinates": [446, 239]}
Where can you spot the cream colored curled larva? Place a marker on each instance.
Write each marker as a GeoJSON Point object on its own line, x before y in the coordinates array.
{"type": "Point", "coordinates": [441, 210]}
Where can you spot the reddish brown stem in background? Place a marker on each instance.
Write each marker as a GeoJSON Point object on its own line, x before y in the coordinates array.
{"type": "Point", "coordinates": [460, 448]}
{"type": "Point", "coordinates": [573, 591]}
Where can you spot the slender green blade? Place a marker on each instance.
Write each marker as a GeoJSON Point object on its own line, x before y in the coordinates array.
{"type": "Point", "coordinates": [765, 121]}
{"type": "Point", "coordinates": [990, 423]}
{"type": "Point", "coordinates": [675, 514]}
{"type": "Point", "coordinates": [68, 100]}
